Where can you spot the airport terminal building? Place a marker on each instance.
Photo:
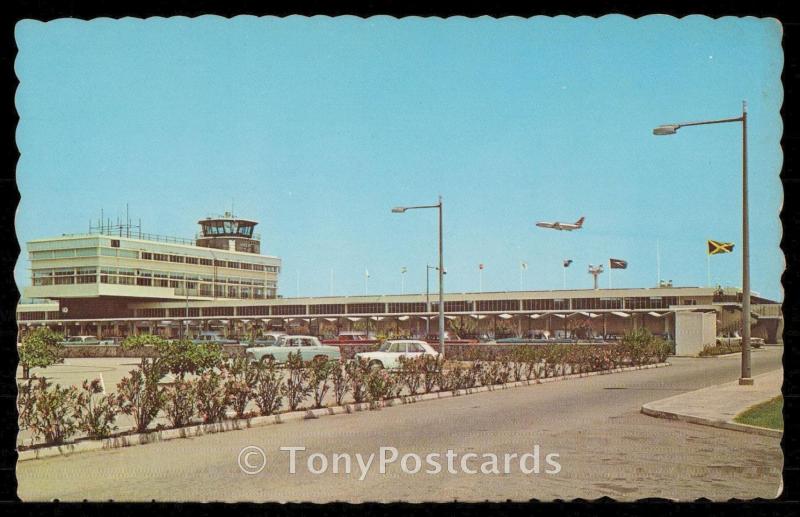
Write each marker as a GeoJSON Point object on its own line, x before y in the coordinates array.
{"type": "Point", "coordinates": [114, 283]}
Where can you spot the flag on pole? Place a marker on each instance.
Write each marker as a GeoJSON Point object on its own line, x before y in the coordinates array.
{"type": "Point", "coordinates": [523, 265]}
{"type": "Point", "coordinates": [617, 263]}
{"type": "Point", "coordinates": [715, 247]}
{"type": "Point", "coordinates": [366, 273]}
{"type": "Point", "coordinates": [403, 269]}
{"type": "Point", "coordinates": [480, 266]}
{"type": "Point", "coordinates": [567, 262]}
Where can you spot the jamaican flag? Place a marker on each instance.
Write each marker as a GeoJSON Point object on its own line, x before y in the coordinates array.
{"type": "Point", "coordinates": [715, 248]}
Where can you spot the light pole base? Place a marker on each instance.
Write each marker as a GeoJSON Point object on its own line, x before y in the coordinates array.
{"type": "Point", "coordinates": [745, 381]}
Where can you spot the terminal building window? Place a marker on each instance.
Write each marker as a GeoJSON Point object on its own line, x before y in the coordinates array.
{"type": "Point", "coordinates": [496, 305]}
{"type": "Point", "coordinates": [151, 313]}
{"type": "Point", "coordinates": [181, 312]}
{"type": "Point", "coordinates": [288, 310]}
{"type": "Point", "coordinates": [217, 311]}
{"type": "Point", "coordinates": [450, 306]}
{"type": "Point", "coordinates": [35, 315]}
{"type": "Point", "coordinates": [327, 308]}
{"type": "Point", "coordinates": [400, 308]}
{"type": "Point", "coordinates": [538, 305]}
{"type": "Point", "coordinates": [253, 310]}
{"type": "Point", "coordinates": [365, 308]}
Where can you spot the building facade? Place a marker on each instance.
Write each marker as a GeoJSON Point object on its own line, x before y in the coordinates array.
{"type": "Point", "coordinates": [115, 283]}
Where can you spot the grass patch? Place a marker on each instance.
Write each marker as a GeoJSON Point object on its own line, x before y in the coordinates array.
{"type": "Point", "coordinates": [767, 414]}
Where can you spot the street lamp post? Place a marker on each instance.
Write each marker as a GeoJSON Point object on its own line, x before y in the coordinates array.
{"type": "Point", "coordinates": [402, 209]}
{"type": "Point", "coordinates": [670, 129]}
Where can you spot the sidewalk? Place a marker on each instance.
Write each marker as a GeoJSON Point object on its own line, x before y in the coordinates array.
{"type": "Point", "coordinates": [718, 405]}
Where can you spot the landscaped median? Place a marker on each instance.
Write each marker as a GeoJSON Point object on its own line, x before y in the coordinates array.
{"type": "Point", "coordinates": [207, 392]}
{"type": "Point", "coordinates": [162, 435]}
{"type": "Point", "coordinates": [724, 405]}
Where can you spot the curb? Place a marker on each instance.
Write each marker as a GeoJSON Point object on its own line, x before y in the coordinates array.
{"type": "Point", "coordinates": [722, 424]}
{"type": "Point", "coordinates": [164, 435]}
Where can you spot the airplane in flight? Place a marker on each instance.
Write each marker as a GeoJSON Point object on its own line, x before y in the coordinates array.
{"type": "Point", "coordinates": [577, 225]}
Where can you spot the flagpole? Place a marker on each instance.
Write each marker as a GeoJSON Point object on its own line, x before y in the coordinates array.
{"type": "Point", "coordinates": [609, 273]}
{"type": "Point", "coordinates": [658, 262]}
{"type": "Point", "coordinates": [480, 280]}
{"type": "Point", "coordinates": [565, 277]}
{"type": "Point", "coordinates": [708, 270]}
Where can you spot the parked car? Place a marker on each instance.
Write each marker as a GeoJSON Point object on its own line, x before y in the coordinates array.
{"type": "Point", "coordinates": [111, 341]}
{"type": "Point", "coordinates": [266, 339]}
{"type": "Point", "coordinates": [309, 348]}
{"type": "Point", "coordinates": [214, 337]}
{"type": "Point", "coordinates": [355, 335]}
{"type": "Point", "coordinates": [80, 340]}
{"type": "Point", "coordinates": [390, 352]}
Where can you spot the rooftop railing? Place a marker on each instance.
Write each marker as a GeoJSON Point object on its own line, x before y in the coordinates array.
{"type": "Point", "coordinates": [136, 235]}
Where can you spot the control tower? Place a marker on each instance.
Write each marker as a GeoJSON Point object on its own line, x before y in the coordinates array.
{"type": "Point", "coordinates": [229, 233]}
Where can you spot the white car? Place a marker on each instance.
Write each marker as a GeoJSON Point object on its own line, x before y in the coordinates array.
{"type": "Point", "coordinates": [390, 352]}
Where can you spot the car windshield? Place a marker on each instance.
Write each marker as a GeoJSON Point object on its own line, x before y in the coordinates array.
{"type": "Point", "coordinates": [385, 347]}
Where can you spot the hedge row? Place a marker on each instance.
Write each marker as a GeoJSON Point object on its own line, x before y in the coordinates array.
{"type": "Point", "coordinates": [208, 387]}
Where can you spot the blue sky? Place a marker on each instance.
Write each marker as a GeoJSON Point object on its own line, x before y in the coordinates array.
{"type": "Point", "coordinates": [316, 127]}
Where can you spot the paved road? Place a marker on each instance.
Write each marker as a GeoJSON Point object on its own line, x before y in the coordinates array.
{"type": "Point", "coordinates": [606, 447]}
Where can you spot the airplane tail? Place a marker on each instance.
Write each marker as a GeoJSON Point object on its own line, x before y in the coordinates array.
{"type": "Point", "coordinates": [579, 223]}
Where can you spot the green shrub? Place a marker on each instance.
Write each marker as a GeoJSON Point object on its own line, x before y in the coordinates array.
{"type": "Point", "coordinates": [431, 369]}
{"type": "Point", "coordinates": [179, 356]}
{"type": "Point", "coordinates": [40, 348]}
{"type": "Point", "coordinates": [267, 392]}
{"type": "Point", "coordinates": [96, 411]}
{"type": "Point", "coordinates": [380, 385]}
{"type": "Point", "coordinates": [340, 380]}
{"type": "Point", "coordinates": [637, 345]}
{"type": "Point", "coordinates": [49, 412]}
{"type": "Point", "coordinates": [411, 373]}
{"type": "Point", "coordinates": [210, 396]}
{"type": "Point", "coordinates": [240, 384]}
{"type": "Point", "coordinates": [179, 402]}
{"type": "Point", "coordinates": [455, 376]}
{"type": "Point", "coordinates": [296, 388]}
{"type": "Point", "coordinates": [494, 372]}
{"type": "Point", "coordinates": [357, 372]}
{"type": "Point", "coordinates": [320, 369]}
{"type": "Point", "coordinates": [140, 396]}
